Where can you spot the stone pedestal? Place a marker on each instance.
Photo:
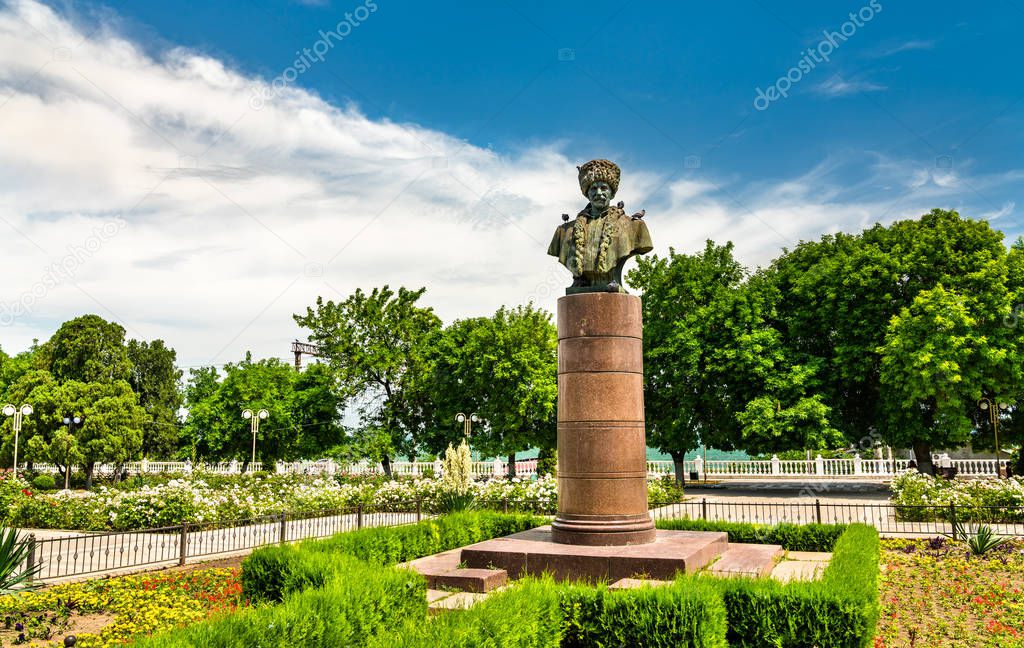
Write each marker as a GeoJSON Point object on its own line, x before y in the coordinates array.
{"type": "Point", "coordinates": [602, 451]}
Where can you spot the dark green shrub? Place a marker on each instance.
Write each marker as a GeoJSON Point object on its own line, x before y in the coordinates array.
{"type": "Point", "coordinates": [44, 483]}
{"type": "Point", "coordinates": [839, 611]}
{"type": "Point", "coordinates": [270, 573]}
{"type": "Point", "coordinates": [690, 612]}
{"type": "Point", "coordinates": [355, 603]}
{"type": "Point", "coordinates": [792, 537]}
{"type": "Point", "coordinates": [399, 544]}
{"type": "Point", "coordinates": [527, 615]}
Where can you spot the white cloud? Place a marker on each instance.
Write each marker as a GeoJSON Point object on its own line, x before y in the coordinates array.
{"type": "Point", "coordinates": [905, 46]}
{"type": "Point", "coordinates": [234, 219]}
{"type": "Point", "coordinates": [836, 86]}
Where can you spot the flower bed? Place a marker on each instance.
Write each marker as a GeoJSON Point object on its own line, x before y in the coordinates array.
{"type": "Point", "coordinates": [920, 497]}
{"type": "Point", "coordinates": [216, 500]}
{"type": "Point", "coordinates": [113, 610]}
{"type": "Point", "coordinates": [934, 593]}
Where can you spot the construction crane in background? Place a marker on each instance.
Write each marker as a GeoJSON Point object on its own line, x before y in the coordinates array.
{"type": "Point", "coordinates": [300, 348]}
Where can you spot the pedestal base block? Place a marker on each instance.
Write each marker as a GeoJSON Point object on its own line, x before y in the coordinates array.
{"type": "Point", "coordinates": [534, 553]}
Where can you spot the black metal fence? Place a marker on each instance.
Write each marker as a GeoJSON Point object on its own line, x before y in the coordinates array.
{"type": "Point", "coordinates": [88, 553]}
{"type": "Point", "coordinates": [889, 519]}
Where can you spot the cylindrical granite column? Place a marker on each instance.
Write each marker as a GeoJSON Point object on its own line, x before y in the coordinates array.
{"type": "Point", "coordinates": [602, 450]}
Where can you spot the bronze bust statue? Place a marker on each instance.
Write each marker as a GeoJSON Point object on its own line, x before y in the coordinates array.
{"type": "Point", "coordinates": [596, 245]}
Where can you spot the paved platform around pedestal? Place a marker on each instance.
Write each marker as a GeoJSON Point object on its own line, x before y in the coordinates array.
{"type": "Point", "coordinates": [463, 577]}
{"type": "Point", "coordinates": [533, 553]}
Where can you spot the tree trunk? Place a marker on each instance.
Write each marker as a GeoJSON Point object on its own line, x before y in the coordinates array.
{"type": "Point", "coordinates": [385, 463]}
{"type": "Point", "coordinates": [923, 454]}
{"type": "Point", "coordinates": [245, 466]}
{"type": "Point", "coordinates": [89, 467]}
{"type": "Point", "coordinates": [679, 464]}
{"type": "Point", "coordinates": [512, 465]}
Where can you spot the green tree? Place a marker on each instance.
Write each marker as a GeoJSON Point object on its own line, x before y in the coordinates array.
{"type": "Point", "coordinates": [316, 411]}
{"type": "Point", "coordinates": [111, 431]}
{"type": "Point", "coordinates": [838, 296]}
{"type": "Point", "coordinates": [504, 368]}
{"type": "Point", "coordinates": [13, 367]}
{"type": "Point", "coordinates": [374, 344]}
{"type": "Point", "coordinates": [216, 423]}
{"type": "Point", "coordinates": [155, 377]}
{"type": "Point", "coordinates": [62, 450]}
{"type": "Point", "coordinates": [303, 421]}
{"type": "Point", "coordinates": [87, 349]}
{"type": "Point", "coordinates": [936, 361]}
{"type": "Point", "coordinates": [39, 389]}
{"type": "Point", "coordinates": [715, 372]}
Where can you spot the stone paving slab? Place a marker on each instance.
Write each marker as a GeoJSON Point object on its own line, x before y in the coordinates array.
{"type": "Point", "coordinates": [754, 560]}
{"type": "Point", "coordinates": [436, 595]}
{"type": "Point", "coordinates": [813, 556]}
{"type": "Point", "coordinates": [797, 570]}
{"type": "Point", "coordinates": [457, 601]}
{"type": "Point", "coordinates": [637, 583]}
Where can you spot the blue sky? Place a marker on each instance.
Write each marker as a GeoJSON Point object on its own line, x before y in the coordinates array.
{"type": "Point", "coordinates": [154, 152]}
{"type": "Point", "coordinates": [654, 82]}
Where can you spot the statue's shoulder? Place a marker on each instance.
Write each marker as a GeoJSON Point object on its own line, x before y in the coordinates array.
{"type": "Point", "coordinates": [563, 230]}
{"type": "Point", "coordinates": [618, 213]}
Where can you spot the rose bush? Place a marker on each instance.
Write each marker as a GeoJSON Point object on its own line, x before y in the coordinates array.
{"type": "Point", "coordinates": [200, 499]}
{"type": "Point", "coordinates": [923, 497]}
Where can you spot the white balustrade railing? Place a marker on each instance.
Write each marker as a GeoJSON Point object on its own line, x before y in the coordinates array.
{"type": "Point", "coordinates": [156, 467]}
{"type": "Point", "coordinates": [481, 469]}
{"type": "Point", "coordinates": [715, 469]}
{"type": "Point", "coordinates": [817, 467]}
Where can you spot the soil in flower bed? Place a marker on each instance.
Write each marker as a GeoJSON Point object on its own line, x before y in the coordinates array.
{"type": "Point", "coordinates": [107, 612]}
{"type": "Point", "coordinates": [935, 593]}
{"type": "Point", "coordinates": [48, 629]}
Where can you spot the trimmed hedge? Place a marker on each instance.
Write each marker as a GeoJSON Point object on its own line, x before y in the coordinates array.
{"type": "Point", "coordinates": [688, 613]}
{"type": "Point", "coordinates": [839, 611]}
{"type": "Point", "coordinates": [270, 573]}
{"type": "Point", "coordinates": [541, 613]}
{"type": "Point", "coordinates": [792, 537]}
{"type": "Point", "coordinates": [356, 603]}
{"type": "Point", "coordinates": [528, 615]}
{"type": "Point", "coordinates": [389, 546]}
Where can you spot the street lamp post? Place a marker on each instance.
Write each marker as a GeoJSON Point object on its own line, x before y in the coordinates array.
{"type": "Point", "coordinates": [18, 413]}
{"type": "Point", "coordinates": [71, 422]}
{"type": "Point", "coordinates": [467, 422]}
{"type": "Point", "coordinates": [254, 419]}
{"type": "Point", "coordinates": [993, 414]}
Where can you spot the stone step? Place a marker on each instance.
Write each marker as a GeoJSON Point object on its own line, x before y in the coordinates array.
{"type": "Point", "coordinates": [754, 560]}
{"type": "Point", "coordinates": [468, 580]}
{"type": "Point", "coordinates": [443, 571]}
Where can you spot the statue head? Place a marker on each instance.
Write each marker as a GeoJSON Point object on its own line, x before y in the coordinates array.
{"type": "Point", "coordinates": [599, 180]}
{"type": "Point", "coordinates": [600, 195]}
